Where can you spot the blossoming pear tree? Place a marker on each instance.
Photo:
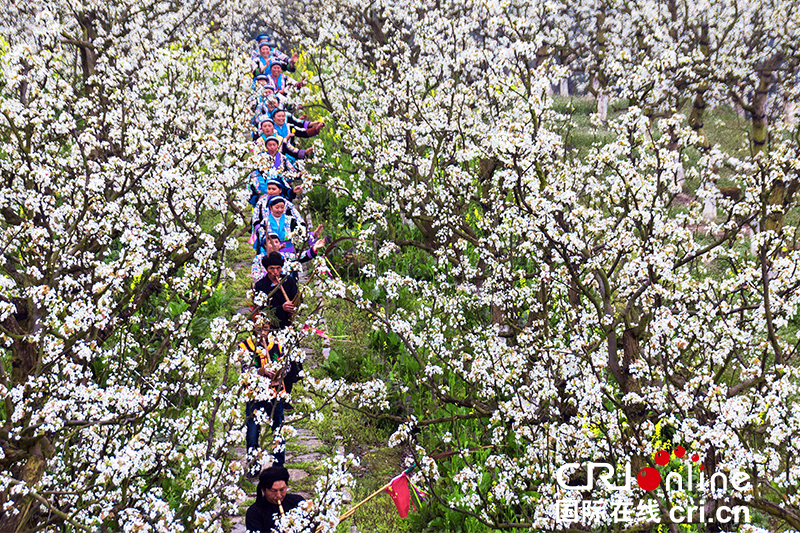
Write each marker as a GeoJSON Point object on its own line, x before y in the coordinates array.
{"type": "Point", "coordinates": [580, 305]}
{"type": "Point", "coordinates": [120, 194]}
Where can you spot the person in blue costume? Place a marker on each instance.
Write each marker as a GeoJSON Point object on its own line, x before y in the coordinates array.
{"type": "Point", "coordinates": [281, 167]}
{"type": "Point", "coordinates": [257, 101]}
{"type": "Point", "coordinates": [267, 128]}
{"type": "Point", "coordinates": [282, 224]}
{"type": "Point", "coordinates": [284, 132]}
{"type": "Point", "coordinates": [268, 55]}
{"type": "Point", "coordinates": [275, 160]}
{"type": "Point", "coordinates": [257, 186]}
{"type": "Point", "coordinates": [266, 104]}
{"type": "Point", "coordinates": [273, 214]}
{"type": "Point", "coordinates": [261, 91]}
{"type": "Point", "coordinates": [287, 149]}
{"type": "Point", "coordinates": [274, 187]}
{"type": "Point", "coordinates": [277, 80]}
{"type": "Point", "coordinates": [274, 166]}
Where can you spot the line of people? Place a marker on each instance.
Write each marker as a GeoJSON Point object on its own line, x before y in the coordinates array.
{"type": "Point", "coordinates": [281, 243]}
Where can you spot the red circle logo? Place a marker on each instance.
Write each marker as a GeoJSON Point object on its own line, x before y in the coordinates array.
{"type": "Point", "coordinates": [648, 478]}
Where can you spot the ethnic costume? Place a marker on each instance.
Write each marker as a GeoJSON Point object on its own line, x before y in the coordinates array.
{"type": "Point", "coordinates": [262, 356]}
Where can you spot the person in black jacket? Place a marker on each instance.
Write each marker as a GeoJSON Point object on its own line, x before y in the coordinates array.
{"type": "Point", "coordinates": [282, 290]}
{"type": "Point", "coordinates": [272, 500]}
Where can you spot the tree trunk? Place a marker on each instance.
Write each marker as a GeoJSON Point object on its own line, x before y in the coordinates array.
{"type": "Point", "coordinates": [30, 474]}
{"type": "Point", "coordinates": [710, 210]}
{"type": "Point", "coordinates": [777, 194]}
{"type": "Point", "coordinates": [699, 102]}
{"type": "Point", "coordinates": [24, 354]}
{"type": "Point", "coordinates": [759, 122]}
{"type": "Point", "coordinates": [88, 53]}
{"type": "Point", "coordinates": [789, 112]}
{"type": "Point", "coordinates": [680, 176]}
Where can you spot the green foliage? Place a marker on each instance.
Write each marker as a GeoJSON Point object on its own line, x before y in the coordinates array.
{"type": "Point", "coordinates": [575, 125]}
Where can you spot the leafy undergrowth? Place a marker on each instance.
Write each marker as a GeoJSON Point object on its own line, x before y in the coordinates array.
{"type": "Point", "coordinates": [354, 432]}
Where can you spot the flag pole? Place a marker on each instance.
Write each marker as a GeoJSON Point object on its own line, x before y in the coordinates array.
{"type": "Point", "coordinates": [353, 509]}
{"type": "Point", "coordinates": [332, 267]}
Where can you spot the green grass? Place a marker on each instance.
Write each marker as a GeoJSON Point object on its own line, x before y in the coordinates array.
{"type": "Point", "coordinates": [578, 133]}
{"type": "Point", "coordinates": [242, 283]}
{"type": "Point", "coordinates": [378, 466]}
{"type": "Point", "coordinates": [723, 126]}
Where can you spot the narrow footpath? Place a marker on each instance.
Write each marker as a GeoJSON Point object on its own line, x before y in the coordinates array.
{"type": "Point", "coordinates": [303, 451]}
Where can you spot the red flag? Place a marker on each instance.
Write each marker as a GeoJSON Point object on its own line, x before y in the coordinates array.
{"type": "Point", "coordinates": [398, 490]}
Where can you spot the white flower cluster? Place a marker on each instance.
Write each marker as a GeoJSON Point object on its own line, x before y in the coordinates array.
{"type": "Point", "coordinates": [580, 298]}
{"type": "Point", "coordinates": [121, 157]}
{"type": "Point", "coordinates": [322, 513]}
